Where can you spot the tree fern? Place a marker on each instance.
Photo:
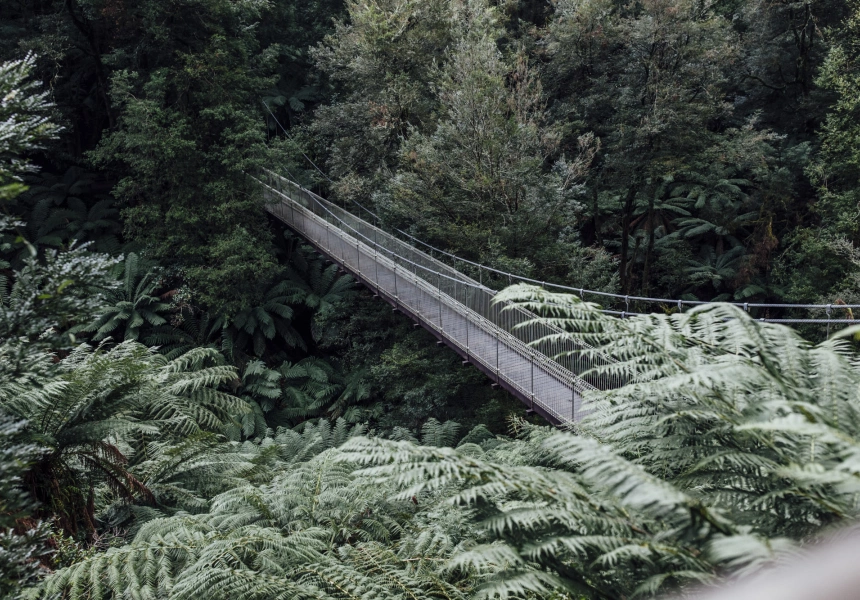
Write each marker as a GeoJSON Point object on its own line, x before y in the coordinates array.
{"type": "Point", "coordinates": [316, 286]}
{"type": "Point", "coordinates": [434, 433]}
{"type": "Point", "coordinates": [253, 327]}
{"type": "Point", "coordinates": [188, 329]}
{"type": "Point", "coordinates": [132, 306]}
{"type": "Point", "coordinates": [98, 401]}
{"type": "Point", "coordinates": [62, 208]}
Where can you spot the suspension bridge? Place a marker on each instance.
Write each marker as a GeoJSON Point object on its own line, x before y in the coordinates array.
{"type": "Point", "coordinates": [506, 342]}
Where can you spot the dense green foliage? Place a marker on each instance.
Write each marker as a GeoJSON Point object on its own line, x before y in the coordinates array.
{"type": "Point", "coordinates": [194, 403]}
{"type": "Point", "coordinates": [677, 138]}
{"type": "Point", "coordinates": [735, 442]}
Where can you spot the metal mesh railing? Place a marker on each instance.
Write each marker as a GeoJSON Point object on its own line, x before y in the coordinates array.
{"type": "Point", "coordinates": [504, 340]}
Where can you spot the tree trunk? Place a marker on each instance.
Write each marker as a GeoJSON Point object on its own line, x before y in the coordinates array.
{"type": "Point", "coordinates": [87, 30]}
{"type": "Point", "coordinates": [625, 234]}
{"type": "Point", "coordinates": [646, 271]}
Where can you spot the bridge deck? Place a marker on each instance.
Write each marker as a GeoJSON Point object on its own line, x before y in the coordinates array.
{"type": "Point", "coordinates": [455, 308]}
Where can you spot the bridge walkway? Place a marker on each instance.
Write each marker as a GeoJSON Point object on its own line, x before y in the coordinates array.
{"type": "Point", "coordinates": [499, 339]}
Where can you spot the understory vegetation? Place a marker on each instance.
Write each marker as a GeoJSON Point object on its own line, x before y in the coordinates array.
{"type": "Point", "coordinates": [194, 403]}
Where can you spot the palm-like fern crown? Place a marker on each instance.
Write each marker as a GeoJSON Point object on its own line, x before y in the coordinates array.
{"type": "Point", "coordinates": [63, 208]}
{"type": "Point", "coordinates": [132, 306]}
{"type": "Point", "coordinates": [742, 412]}
{"type": "Point", "coordinates": [311, 387]}
{"type": "Point", "coordinates": [313, 284]}
{"type": "Point", "coordinates": [314, 387]}
{"type": "Point", "coordinates": [92, 408]}
{"type": "Point", "coordinates": [194, 329]}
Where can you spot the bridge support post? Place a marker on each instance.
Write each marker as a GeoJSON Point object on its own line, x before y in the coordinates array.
{"type": "Point", "coordinates": [376, 266]}
{"type": "Point", "coordinates": [439, 289]}
{"type": "Point", "coordinates": [357, 258]}
{"type": "Point", "coordinates": [532, 356]}
{"type": "Point", "coordinates": [467, 339]}
{"type": "Point", "coordinates": [497, 358]}
{"type": "Point", "coordinates": [396, 297]}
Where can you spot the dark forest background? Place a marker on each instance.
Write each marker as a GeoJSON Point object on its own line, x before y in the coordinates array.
{"type": "Point", "coordinates": [668, 148]}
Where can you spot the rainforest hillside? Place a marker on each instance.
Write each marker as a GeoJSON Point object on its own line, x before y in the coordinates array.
{"type": "Point", "coordinates": [196, 403]}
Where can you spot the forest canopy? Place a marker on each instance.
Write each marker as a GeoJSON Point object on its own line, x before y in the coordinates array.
{"type": "Point", "coordinates": [197, 403]}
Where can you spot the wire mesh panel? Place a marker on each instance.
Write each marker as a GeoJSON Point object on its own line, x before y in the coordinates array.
{"type": "Point", "coordinates": [458, 308]}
